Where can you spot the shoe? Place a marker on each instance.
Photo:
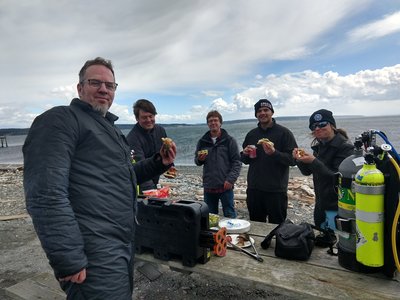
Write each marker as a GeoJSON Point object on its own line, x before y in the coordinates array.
{"type": "Point", "coordinates": [326, 239]}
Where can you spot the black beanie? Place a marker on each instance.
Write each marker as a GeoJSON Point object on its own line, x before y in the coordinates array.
{"type": "Point", "coordinates": [322, 115]}
{"type": "Point", "coordinates": [263, 103]}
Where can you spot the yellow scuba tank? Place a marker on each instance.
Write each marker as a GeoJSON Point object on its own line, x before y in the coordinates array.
{"type": "Point", "coordinates": [370, 189]}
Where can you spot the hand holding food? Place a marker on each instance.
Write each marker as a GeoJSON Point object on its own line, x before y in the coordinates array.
{"type": "Point", "coordinates": [201, 155]}
{"type": "Point", "coordinates": [167, 143]}
{"type": "Point", "coordinates": [299, 152]}
{"type": "Point", "coordinates": [302, 156]}
{"type": "Point", "coordinates": [168, 151]}
{"type": "Point", "coordinates": [265, 141]}
{"type": "Point", "coordinates": [267, 145]}
{"type": "Point", "coordinates": [201, 152]}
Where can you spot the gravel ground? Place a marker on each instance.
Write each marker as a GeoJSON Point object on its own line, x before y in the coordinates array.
{"type": "Point", "coordinates": [22, 257]}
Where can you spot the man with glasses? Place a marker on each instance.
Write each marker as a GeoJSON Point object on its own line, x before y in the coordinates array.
{"type": "Point", "coordinates": [218, 153]}
{"type": "Point", "coordinates": [80, 188]}
{"type": "Point", "coordinates": [268, 174]}
{"type": "Point", "coordinates": [330, 147]}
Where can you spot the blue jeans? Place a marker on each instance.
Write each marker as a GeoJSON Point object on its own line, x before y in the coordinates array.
{"type": "Point", "coordinates": [228, 206]}
{"type": "Point", "coordinates": [330, 220]}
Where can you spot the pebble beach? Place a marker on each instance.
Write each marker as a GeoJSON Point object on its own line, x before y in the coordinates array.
{"type": "Point", "coordinates": [188, 186]}
{"type": "Point", "coordinates": [22, 257]}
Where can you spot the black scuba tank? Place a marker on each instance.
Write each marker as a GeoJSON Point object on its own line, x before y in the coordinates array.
{"type": "Point", "coordinates": [346, 218]}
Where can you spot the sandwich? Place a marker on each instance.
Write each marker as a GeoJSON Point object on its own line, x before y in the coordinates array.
{"type": "Point", "coordinates": [201, 152]}
{"type": "Point", "coordinates": [265, 141]}
{"type": "Point", "coordinates": [167, 142]}
{"type": "Point", "coordinates": [171, 173]}
{"type": "Point", "coordinates": [300, 152]}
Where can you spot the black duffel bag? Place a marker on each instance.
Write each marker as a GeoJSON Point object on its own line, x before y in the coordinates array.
{"type": "Point", "coordinates": [292, 241]}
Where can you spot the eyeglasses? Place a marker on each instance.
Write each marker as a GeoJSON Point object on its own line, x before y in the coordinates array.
{"type": "Point", "coordinates": [112, 86]}
{"type": "Point", "coordinates": [319, 125]}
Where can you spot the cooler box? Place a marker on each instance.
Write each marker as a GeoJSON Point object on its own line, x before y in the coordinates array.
{"type": "Point", "coordinates": [171, 229]}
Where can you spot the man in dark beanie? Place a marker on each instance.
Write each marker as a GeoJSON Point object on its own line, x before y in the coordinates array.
{"type": "Point", "coordinates": [268, 174]}
{"type": "Point", "coordinates": [263, 103]}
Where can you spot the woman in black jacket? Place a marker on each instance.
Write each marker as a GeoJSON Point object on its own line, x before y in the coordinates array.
{"type": "Point", "coordinates": [330, 147]}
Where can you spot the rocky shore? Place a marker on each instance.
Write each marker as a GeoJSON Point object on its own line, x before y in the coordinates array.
{"type": "Point", "coordinates": [22, 257]}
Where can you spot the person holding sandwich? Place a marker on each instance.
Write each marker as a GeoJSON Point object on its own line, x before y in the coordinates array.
{"type": "Point", "coordinates": [218, 153]}
{"type": "Point", "coordinates": [330, 147]}
{"type": "Point", "coordinates": [146, 138]}
{"type": "Point", "coordinates": [268, 174]}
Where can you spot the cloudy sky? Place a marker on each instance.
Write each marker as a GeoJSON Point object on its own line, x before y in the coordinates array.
{"type": "Point", "coordinates": [189, 57]}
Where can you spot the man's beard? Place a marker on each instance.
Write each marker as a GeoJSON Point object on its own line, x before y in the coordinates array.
{"type": "Point", "coordinates": [103, 109]}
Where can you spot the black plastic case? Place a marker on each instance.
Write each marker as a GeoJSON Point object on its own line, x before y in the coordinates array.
{"type": "Point", "coordinates": [172, 229]}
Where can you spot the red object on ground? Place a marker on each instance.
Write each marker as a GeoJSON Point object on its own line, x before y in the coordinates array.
{"type": "Point", "coordinates": [158, 193]}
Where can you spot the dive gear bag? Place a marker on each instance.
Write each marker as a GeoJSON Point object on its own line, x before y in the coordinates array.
{"type": "Point", "coordinates": [292, 241]}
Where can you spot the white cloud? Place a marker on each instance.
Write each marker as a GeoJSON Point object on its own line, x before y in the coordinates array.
{"type": "Point", "coordinates": [243, 101]}
{"type": "Point", "coordinates": [388, 25]}
{"type": "Point", "coordinates": [367, 92]}
{"type": "Point", "coordinates": [123, 112]}
{"type": "Point", "coordinates": [221, 105]}
{"type": "Point", "coordinates": [64, 92]}
{"type": "Point", "coordinates": [293, 54]}
{"type": "Point", "coordinates": [177, 43]}
{"type": "Point", "coordinates": [303, 92]}
{"type": "Point", "coordinates": [212, 93]}
{"type": "Point", "coordinates": [182, 47]}
{"type": "Point", "coordinates": [197, 108]}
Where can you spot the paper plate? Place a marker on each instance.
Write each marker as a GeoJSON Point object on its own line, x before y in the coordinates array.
{"type": "Point", "coordinates": [235, 241]}
{"type": "Point", "coordinates": [235, 225]}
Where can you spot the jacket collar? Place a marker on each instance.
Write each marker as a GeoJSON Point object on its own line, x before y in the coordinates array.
{"type": "Point", "coordinates": [144, 131]}
{"type": "Point", "coordinates": [273, 124]}
{"type": "Point", "coordinates": [335, 142]}
{"type": "Point", "coordinates": [207, 135]}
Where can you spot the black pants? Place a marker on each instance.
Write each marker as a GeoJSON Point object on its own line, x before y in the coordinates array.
{"type": "Point", "coordinates": [319, 214]}
{"type": "Point", "coordinates": [263, 204]}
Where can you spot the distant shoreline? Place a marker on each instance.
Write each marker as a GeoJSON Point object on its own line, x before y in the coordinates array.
{"type": "Point", "coordinates": [24, 131]}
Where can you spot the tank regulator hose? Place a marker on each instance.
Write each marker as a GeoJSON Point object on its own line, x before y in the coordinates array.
{"type": "Point", "coordinates": [383, 136]}
{"type": "Point", "coordinates": [395, 220]}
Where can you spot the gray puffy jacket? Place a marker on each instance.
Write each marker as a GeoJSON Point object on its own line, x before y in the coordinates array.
{"type": "Point", "coordinates": [80, 189]}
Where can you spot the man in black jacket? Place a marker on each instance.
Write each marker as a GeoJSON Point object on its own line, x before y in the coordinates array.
{"type": "Point", "coordinates": [145, 138]}
{"type": "Point", "coordinates": [80, 188]}
{"type": "Point", "coordinates": [268, 174]}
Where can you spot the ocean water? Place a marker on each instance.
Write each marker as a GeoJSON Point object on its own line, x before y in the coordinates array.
{"type": "Point", "coordinates": [186, 137]}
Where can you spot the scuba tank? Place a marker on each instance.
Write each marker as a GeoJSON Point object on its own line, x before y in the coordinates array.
{"type": "Point", "coordinates": [388, 165]}
{"type": "Point", "coordinates": [387, 161]}
{"type": "Point", "coordinates": [370, 190]}
{"type": "Point", "coordinates": [346, 218]}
